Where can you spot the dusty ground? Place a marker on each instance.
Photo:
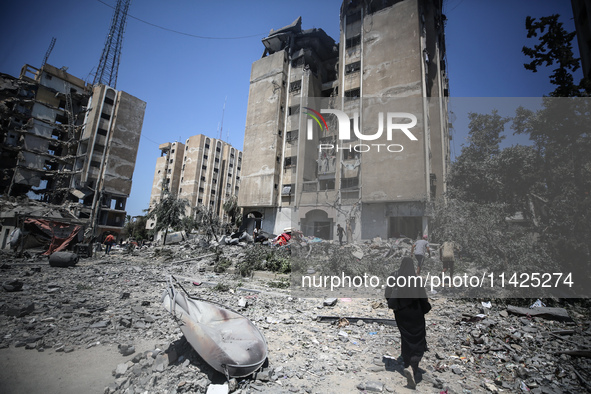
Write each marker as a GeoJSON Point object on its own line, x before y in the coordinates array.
{"type": "Point", "coordinates": [85, 371]}
{"type": "Point", "coordinates": [69, 342]}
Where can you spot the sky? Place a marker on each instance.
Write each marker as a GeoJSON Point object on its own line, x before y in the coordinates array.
{"type": "Point", "coordinates": [190, 61]}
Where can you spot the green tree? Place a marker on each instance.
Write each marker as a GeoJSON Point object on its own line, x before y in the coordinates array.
{"type": "Point", "coordinates": [232, 209]}
{"type": "Point", "coordinates": [168, 213]}
{"type": "Point", "coordinates": [135, 227]}
{"type": "Point", "coordinates": [554, 47]}
{"type": "Point", "coordinates": [560, 132]}
{"type": "Point", "coordinates": [207, 221]}
{"type": "Point", "coordinates": [474, 175]}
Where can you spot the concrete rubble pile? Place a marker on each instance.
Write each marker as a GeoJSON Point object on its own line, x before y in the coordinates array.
{"type": "Point", "coordinates": [474, 345]}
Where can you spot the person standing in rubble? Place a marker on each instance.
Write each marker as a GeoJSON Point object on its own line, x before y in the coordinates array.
{"type": "Point", "coordinates": [421, 250]}
{"type": "Point", "coordinates": [340, 233]}
{"type": "Point", "coordinates": [109, 241]}
{"type": "Point", "coordinates": [447, 256]}
{"type": "Point", "coordinates": [408, 299]}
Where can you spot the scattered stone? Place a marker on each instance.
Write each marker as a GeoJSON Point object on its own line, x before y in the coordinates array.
{"type": "Point", "coordinates": [330, 302]}
{"type": "Point", "coordinates": [20, 311]}
{"type": "Point", "coordinates": [12, 285]}
{"type": "Point", "coordinates": [101, 324]}
{"type": "Point", "coordinates": [120, 370]}
{"type": "Point", "coordinates": [371, 386]}
{"type": "Point", "coordinates": [126, 349]}
{"type": "Point", "coordinates": [218, 389]}
{"type": "Point", "coordinates": [469, 352]}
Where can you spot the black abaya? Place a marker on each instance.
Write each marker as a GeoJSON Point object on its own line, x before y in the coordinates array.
{"type": "Point", "coordinates": [410, 304]}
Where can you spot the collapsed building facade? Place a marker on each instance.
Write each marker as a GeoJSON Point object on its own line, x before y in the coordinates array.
{"type": "Point", "coordinates": [68, 143]}
{"type": "Point", "coordinates": [312, 158]}
{"type": "Point", "coordinates": [204, 171]}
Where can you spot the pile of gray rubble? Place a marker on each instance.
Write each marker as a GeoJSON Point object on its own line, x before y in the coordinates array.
{"type": "Point", "coordinates": [315, 345]}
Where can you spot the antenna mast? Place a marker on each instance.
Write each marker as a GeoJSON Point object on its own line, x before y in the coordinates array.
{"type": "Point", "coordinates": [222, 123]}
{"type": "Point", "coordinates": [48, 51]}
{"type": "Point", "coordinates": [106, 72]}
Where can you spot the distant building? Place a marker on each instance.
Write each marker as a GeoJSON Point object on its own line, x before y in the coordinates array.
{"type": "Point", "coordinates": [204, 171]}
{"type": "Point", "coordinates": [300, 172]}
{"type": "Point", "coordinates": [69, 143]}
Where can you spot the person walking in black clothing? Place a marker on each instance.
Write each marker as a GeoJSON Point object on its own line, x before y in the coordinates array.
{"type": "Point", "coordinates": [340, 233]}
{"type": "Point", "coordinates": [408, 299]}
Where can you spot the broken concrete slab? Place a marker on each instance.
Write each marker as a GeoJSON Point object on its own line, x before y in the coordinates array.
{"type": "Point", "coordinates": [559, 314]}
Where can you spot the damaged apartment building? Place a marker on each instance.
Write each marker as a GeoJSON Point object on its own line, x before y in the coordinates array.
{"type": "Point", "coordinates": [353, 133]}
{"type": "Point", "coordinates": [204, 171]}
{"type": "Point", "coordinates": [67, 144]}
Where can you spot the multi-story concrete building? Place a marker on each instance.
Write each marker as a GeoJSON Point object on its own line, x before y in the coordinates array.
{"type": "Point", "coordinates": [204, 171]}
{"type": "Point", "coordinates": [68, 142]}
{"type": "Point", "coordinates": [582, 19]}
{"type": "Point", "coordinates": [312, 157]}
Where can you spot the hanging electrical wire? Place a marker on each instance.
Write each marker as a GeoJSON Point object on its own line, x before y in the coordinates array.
{"type": "Point", "coordinates": [183, 33]}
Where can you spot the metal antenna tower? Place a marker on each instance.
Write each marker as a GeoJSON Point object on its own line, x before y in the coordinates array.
{"type": "Point", "coordinates": [106, 72]}
{"type": "Point", "coordinates": [48, 51]}
{"type": "Point", "coordinates": [222, 124]}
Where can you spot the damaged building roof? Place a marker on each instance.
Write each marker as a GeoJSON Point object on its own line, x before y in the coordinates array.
{"type": "Point", "coordinates": [296, 39]}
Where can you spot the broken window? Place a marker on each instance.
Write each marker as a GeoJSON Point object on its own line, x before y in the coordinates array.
{"type": "Point", "coordinates": [354, 17]}
{"type": "Point", "coordinates": [203, 179]}
{"type": "Point", "coordinates": [290, 161]}
{"type": "Point", "coordinates": [200, 190]}
{"type": "Point", "coordinates": [352, 67]}
{"type": "Point", "coordinates": [286, 190]}
{"type": "Point", "coordinates": [298, 62]}
{"type": "Point", "coordinates": [353, 41]}
{"type": "Point", "coordinates": [350, 154]}
{"type": "Point", "coordinates": [292, 135]}
{"type": "Point", "coordinates": [295, 86]}
{"type": "Point", "coordinates": [204, 167]}
{"type": "Point", "coordinates": [349, 183]}
{"type": "Point", "coordinates": [294, 109]}
{"type": "Point", "coordinates": [326, 184]}
{"type": "Point", "coordinates": [352, 94]}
